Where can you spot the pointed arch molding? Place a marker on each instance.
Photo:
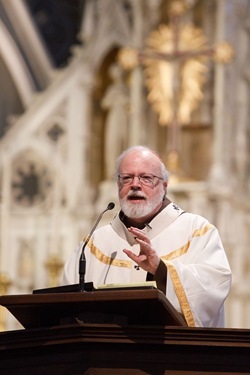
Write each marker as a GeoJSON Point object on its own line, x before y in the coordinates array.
{"type": "Point", "coordinates": [16, 66]}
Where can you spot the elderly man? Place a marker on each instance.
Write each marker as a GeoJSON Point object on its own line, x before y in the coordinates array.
{"type": "Point", "coordinates": [153, 239]}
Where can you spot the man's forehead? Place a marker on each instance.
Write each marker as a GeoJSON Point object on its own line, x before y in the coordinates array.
{"type": "Point", "coordinates": [141, 157]}
{"type": "Point", "coordinates": [142, 154]}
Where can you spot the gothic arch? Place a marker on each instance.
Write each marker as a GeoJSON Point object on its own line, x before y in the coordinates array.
{"type": "Point", "coordinates": [16, 66]}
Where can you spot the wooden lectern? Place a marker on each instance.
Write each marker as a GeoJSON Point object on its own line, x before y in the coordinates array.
{"type": "Point", "coordinates": [118, 332]}
{"type": "Point", "coordinates": [126, 307]}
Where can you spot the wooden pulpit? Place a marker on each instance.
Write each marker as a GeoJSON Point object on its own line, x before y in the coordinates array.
{"type": "Point", "coordinates": [116, 332]}
{"type": "Point", "coordinates": [124, 307]}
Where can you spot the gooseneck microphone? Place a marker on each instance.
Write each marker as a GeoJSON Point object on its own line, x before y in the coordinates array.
{"type": "Point", "coordinates": [82, 260]}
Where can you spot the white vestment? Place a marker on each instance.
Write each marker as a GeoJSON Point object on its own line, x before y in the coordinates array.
{"type": "Point", "coordinates": [198, 277]}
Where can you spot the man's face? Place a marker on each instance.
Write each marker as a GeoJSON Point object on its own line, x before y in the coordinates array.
{"type": "Point", "coordinates": [140, 201]}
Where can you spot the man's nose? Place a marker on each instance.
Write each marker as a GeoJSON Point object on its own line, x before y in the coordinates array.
{"type": "Point", "coordinates": [136, 182]}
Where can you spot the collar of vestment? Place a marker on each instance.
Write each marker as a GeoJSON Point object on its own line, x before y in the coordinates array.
{"type": "Point", "coordinates": [156, 225]}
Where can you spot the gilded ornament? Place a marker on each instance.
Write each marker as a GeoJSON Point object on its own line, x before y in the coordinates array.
{"type": "Point", "coordinates": [223, 53]}
{"type": "Point", "coordinates": [177, 8]}
{"type": "Point", "coordinates": [175, 76]}
{"type": "Point", "coordinates": [5, 283]}
{"type": "Point", "coordinates": [128, 58]}
{"type": "Point", "coordinates": [53, 266]}
{"type": "Point", "coordinates": [173, 162]}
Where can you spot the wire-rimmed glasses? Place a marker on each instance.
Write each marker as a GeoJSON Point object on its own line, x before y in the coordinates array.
{"type": "Point", "coordinates": [147, 179]}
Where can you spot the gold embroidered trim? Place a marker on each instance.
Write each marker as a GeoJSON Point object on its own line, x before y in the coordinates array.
{"type": "Point", "coordinates": [202, 231]}
{"type": "Point", "coordinates": [106, 259]}
{"type": "Point", "coordinates": [176, 253]}
{"type": "Point", "coordinates": [184, 249]}
{"type": "Point", "coordinates": [181, 295]}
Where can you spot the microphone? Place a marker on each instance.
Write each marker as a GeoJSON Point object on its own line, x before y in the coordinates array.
{"type": "Point", "coordinates": [82, 260]}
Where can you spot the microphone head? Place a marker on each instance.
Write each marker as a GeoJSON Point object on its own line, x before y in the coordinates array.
{"type": "Point", "coordinates": [111, 205]}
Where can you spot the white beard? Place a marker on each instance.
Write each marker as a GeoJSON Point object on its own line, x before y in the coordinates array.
{"type": "Point", "coordinates": [138, 210]}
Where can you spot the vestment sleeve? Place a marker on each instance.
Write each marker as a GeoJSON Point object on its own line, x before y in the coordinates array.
{"type": "Point", "coordinates": [160, 276]}
{"type": "Point", "coordinates": [199, 279]}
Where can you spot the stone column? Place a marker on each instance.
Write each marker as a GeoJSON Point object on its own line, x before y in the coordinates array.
{"type": "Point", "coordinates": [137, 121]}
{"type": "Point", "coordinates": [218, 168]}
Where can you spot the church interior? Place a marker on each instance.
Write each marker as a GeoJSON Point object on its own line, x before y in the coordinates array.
{"type": "Point", "coordinates": [81, 81]}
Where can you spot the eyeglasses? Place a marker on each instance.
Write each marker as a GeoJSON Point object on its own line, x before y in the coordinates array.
{"type": "Point", "coordinates": [146, 179]}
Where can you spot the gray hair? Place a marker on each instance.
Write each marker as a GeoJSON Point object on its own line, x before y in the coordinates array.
{"type": "Point", "coordinates": [164, 171]}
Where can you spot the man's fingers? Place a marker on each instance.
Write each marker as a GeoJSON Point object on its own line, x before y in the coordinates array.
{"type": "Point", "coordinates": [136, 258]}
{"type": "Point", "coordinates": [139, 234]}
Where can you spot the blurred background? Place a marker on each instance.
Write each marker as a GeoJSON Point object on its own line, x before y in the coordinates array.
{"type": "Point", "coordinates": [81, 81]}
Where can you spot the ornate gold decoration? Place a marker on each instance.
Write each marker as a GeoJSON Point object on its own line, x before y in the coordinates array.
{"type": "Point", "coordinates": [175, 69]}
{"type": "Point", "coordinates": [223, 53]}
{"type": "Point", "coordinates": [4, 287]}
{"type": "Point", "coordinates": [177, 8]}
{"type": "Point", "coordinates": [128, 58]}
{"type": "Point", "coordinates": [54, 266]}
{"type": "Point", "coordinates": [165, 87]}
{"type": "Point", "coordinates": [173, 161]}
{"type": "Point", "coordinates": [174, 167]}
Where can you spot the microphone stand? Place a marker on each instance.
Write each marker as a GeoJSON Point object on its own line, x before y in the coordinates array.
{"type": "Point", "coordinates": [82, 260]}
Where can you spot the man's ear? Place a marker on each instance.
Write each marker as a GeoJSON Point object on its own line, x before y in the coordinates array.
{"type": "Point", "coordinates": [165, 194]}
{"type": "Point", "coordinates": [165, 184]}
